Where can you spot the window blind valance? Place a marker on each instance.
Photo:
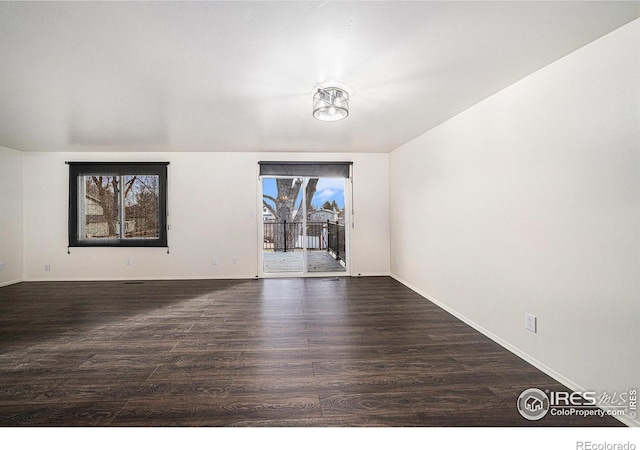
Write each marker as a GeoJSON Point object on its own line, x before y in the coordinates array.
{"type": "Point", "coordinates": [305, 169]}
{"type": "Point", "coordinates": [131, 168]}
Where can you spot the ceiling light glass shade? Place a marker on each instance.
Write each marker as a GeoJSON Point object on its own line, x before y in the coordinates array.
{"type": "Point", "coordinates": [330, 104]}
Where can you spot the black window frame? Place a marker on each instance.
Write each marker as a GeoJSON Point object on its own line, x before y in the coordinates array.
{"type": "Point", "coordinates": [80, 169]}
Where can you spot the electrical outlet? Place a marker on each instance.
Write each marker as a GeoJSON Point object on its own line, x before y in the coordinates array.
{"type": "Point", "coordinates": [3, 266]}
{"type": "Point", "coordinates": [214, 260]}
{"type": "Point", "coordinates": [235, 260]}
{"type": "Point", "coordinates": [530, 322]}
{"type": "Point", "coordinates": [129, 262]}
{"type": "Point", "coordinates": [47, 267]}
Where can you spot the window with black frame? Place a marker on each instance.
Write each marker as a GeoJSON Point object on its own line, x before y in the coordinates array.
{"type": "Point", "coordinates": [117, 204]}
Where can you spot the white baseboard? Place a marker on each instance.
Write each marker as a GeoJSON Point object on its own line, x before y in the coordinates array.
{"type": "Point", "coordinates": [132, 278]}
{"type": "Point", "coordinates": [199, 277]}
{"type": "Point", "coordinates": [570, 384]}
{"type": "Point", "coordinates": [371, 274]}
{"type": "Point", "coordinates": [7, 283]}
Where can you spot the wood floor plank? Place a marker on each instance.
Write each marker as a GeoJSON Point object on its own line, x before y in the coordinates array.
{"type": "Point", "coordinates": [339, 352]}
{"type": "Point", "coordinates": [216, 412]}
{"type": "Point", "coordinates": [388, 404]}
{"type": "Point", "coordinates": [60, 414]}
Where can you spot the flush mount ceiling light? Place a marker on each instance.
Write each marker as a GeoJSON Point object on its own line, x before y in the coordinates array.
{"type": "Point", "coordinates": [330, 104]}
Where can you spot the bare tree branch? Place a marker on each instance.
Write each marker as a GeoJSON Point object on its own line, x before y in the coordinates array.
{"type": "Point", "coordinates": [271, 210]}
{"type": "Point", "coordinates": [268, 197]}
{"type": "Point", "coordinates": [130, 185]}
{"type": "Point", "coordinates": [310, 192]}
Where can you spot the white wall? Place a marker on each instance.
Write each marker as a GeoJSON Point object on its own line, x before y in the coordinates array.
{"type": "Point", "coordinates": [11, 250]}
{"type": "Point", "coordinates": [530, 202]}
{"type": "Point", "coordinates": [213, 211]}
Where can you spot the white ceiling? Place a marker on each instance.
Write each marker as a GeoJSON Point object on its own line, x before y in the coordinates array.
{"type": "Point", "coordinates": [239, 76]}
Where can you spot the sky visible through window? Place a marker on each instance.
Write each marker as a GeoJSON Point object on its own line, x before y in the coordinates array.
{"type": "Point", "coordinates": [328, 189]}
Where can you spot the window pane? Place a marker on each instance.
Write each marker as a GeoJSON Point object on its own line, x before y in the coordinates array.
{"type": "Point", "coordinates": [99, 207]}
{"type": "Point", "coordinates": [141, 193]}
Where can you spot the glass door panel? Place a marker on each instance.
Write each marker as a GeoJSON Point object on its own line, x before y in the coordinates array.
{"type": "Point", "coordinates": [325, 226]}
{"type": "Point", "coordinates": [282, 223]}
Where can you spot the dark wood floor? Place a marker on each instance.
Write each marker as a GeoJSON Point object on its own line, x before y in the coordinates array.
{"type": "Point", "coordinates": [277, 352]}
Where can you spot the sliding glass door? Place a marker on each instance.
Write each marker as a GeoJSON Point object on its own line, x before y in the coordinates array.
{"type": "Point", "coordinates": [303, 225]}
